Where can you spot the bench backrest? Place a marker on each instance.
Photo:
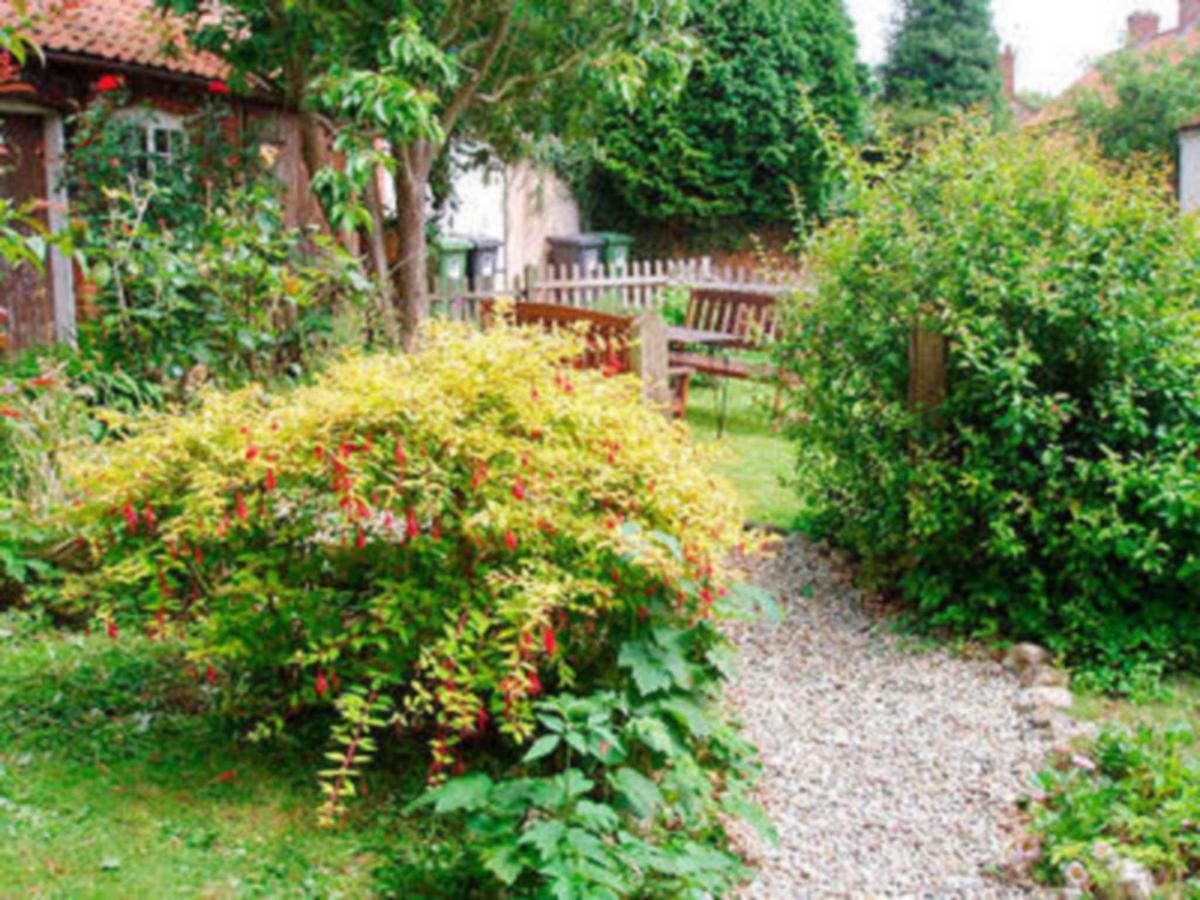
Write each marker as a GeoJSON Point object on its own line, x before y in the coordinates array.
{"type": "Point", "coordinates": [608, 336]}
{"type": "Point", "coordinates": [748, 317]}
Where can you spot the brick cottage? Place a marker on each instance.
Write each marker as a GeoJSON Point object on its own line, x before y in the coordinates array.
{"type": "Point", "coordinates": [89, 45]}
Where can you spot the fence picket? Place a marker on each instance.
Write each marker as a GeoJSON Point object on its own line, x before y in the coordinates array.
{"type": "Point", "coordinates": [640, 285]}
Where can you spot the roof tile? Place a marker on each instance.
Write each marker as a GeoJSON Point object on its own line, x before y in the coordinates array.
{"type": "Point", "coordinates": [134, 32]}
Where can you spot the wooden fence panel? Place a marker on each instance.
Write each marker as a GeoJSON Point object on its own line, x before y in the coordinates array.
{"type": "Point", "coordinates": [639, 286]}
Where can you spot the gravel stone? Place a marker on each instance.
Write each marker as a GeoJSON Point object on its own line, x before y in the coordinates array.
{"type": "Point", "coordinates": [887, 770]}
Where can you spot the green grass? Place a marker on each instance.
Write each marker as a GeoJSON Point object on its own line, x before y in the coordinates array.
{"type": "Point", "coordinates": [119, 777]}
{"type": "Point", "coordinates": [1176, 702]}
{"type": "Point", "coordinates": [758, 458]}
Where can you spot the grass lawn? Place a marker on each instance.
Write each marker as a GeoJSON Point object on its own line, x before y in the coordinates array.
{"type": "Point", "coordinates": [1176, 703]}
{"type": "Point", "coordinates": [758, 457]}
{"type": "Point", "coordinates": [119, 777]}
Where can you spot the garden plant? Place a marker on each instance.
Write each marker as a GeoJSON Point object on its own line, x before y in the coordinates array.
{"type": "Point", "coordinates": [474, 546]}
{"type": "Point", "coordinates": [1054, 494]}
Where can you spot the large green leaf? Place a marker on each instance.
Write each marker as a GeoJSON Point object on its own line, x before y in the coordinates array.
{"type": "Point", "coordinates": [642, 794]}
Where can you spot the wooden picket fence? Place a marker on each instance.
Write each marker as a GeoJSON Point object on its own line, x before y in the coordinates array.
{"type": "Point", "coordinates": [641, 285]}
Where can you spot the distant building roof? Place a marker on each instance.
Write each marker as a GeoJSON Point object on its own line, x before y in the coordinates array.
{"type": "Point", "coordinates": [1145, 38]}
{"type": "Point", "coordinates": [129, 32]}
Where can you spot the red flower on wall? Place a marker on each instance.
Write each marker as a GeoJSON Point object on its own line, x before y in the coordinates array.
{"type": "Point", "coordinates": [218, 87]}
{"type": "Point", "coordinates": [109, 83]}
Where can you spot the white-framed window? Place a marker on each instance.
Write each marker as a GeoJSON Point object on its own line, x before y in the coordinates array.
{"type": "Point", "coordinates": [159, 135]}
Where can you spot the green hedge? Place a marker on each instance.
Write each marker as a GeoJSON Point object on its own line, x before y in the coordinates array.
{"type": "Point", "coordinates": [1059, 499]}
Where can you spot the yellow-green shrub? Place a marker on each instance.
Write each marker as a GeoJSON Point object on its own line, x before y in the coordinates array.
{"type": "Point", "coordinates": [429, 540]}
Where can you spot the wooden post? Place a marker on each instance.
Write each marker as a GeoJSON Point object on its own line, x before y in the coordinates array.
{"type": "Point", "coordinates": [530, 284]}
{"type": "Point", "coordinates": [926, 369]}
{"type": "Point", "coordinates": [649, 358]}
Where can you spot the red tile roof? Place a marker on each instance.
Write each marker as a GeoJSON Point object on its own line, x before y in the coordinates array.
{"type": "Point", "coordinates": [133, 32]}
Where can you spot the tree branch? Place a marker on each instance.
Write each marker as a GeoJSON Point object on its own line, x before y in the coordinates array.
{"type": "Point", "coordinates": [462, 98]}
{"type": "Point", "coordinates": [566, 65]}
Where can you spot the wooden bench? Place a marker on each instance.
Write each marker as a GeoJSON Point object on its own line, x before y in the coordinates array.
{"type": "Point", "coordinates": [749, 321]}
{"type": "Point", "coordinates": [609, 340]}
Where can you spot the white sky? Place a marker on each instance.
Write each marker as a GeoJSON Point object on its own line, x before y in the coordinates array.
{"type": "Point", "coordinates": [1054, 39]}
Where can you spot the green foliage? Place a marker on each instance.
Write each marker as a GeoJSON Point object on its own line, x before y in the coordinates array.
{"type": "Point", "coordinates": [943, 57]}
{"type": "Point", "coordinates": [425, 543]}
{"type": "Point", "coordinates": [41, 415]}
{"type": "Point", "coordinates": [1135, 797]}
{"type": "Point", "coordinates": [1144, 100]}
{"type": "Point", "coordinates": [191, 271]}
{"type": "Point", "coordinates": [771, 78]}
{"type": "Point", "coordinates": [1056, 494]}
{"type": "Point", "coordinates": [621, 794]}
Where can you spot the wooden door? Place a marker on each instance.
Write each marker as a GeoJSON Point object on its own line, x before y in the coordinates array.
{"type": "Point", "coordinates": [25, 291]}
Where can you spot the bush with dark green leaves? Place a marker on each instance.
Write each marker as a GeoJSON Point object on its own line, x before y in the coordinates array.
{"type": "Point", "coordinates": [745, 137]}
{"type": "Point", "coordinates": [1056, 495]}
{"type": "Point", "coordinates": [944, 57]}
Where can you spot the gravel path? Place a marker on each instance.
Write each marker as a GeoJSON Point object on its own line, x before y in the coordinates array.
{"type": "Point", "coordinates": [887, 770]}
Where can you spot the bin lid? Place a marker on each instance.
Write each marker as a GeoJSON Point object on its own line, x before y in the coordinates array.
{"type": "Point", "coordinates": [479, 242]}
{"type": "Point", "coordinates": [450, 243]}
{"type": "Point", "coordinates": [578, 240]}
{"type": "Point", "coordinates": [615, 237]}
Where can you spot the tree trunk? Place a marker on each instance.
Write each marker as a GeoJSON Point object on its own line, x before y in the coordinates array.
{"type": "Point", "coordinates": [379, 260]}
{"type": "Point", "coordinates": [413, 165]}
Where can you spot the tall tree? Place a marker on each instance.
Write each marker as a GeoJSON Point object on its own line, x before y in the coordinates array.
{"type": "Point", "coordinates": [944, 56]}
{"type": "Point", "coordinates": [744, 137]}
{"type": "Point", "coordinates": [423, 73]}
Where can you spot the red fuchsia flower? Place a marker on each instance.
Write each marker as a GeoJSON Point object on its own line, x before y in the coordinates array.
{"type": "Point", "coordinates": [534, 684]}
{"type": "Point", "coordinates": [481, 719]}
{"type": "Point", "coordinates": [10, 413]}
{"type": "Point", "coordinates": [242, 512]}
{"type": "Point", "coordinates": [108, 83]}
{"type": "Point", "coordinates": [479, 476]}
{"type": "Point", "coordinates": [198, 554]}
{"type": "Point", "coordinates": [112, 629]}
{"type": "Point", "coordinates": [151, 521]}
{"type": "Point", "coordinates": [218, 87]}
{"type": "Point", "coordinates": [510, 541]}
{"type": "Point", "coordinates": [518, 490]}
{"type": "Point", "coordinates": [251, 452]}
{"type": "Point", "coordinates": [412, 528]}
{"type": "Point", "coordinates": [616, 576]}
{"type": "Point", "coordinates": [321, 686]}
{"type": "Point", "coordinates": [319, 452]}
{"type": "Point", "coordinates": [130, 517]}
{"type": "Point", "coordinates": [270, 480]}
{"type": "Point", "coordinates": [534, 393]}
{"type": "Point", "coordinates": [401, 459]}
{"type": "Point", "coordinates": [549, 640]}
{"type": "Point", "coordinates": [361, 538]}
{"type": "Point", "coordinates": [210, 674]}
{"type": "Point", "coordinates": [41, 381]}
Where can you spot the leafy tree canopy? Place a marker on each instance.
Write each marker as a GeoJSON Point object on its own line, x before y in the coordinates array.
{"type": "Point", "coordinates": [423, 73]}
{"type": "Point", "coordinates": [1144, 101]}
{"type": "Point", "coordinates": [745, 135]}
{"type": "Point", "coordinates": [943, 56]}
